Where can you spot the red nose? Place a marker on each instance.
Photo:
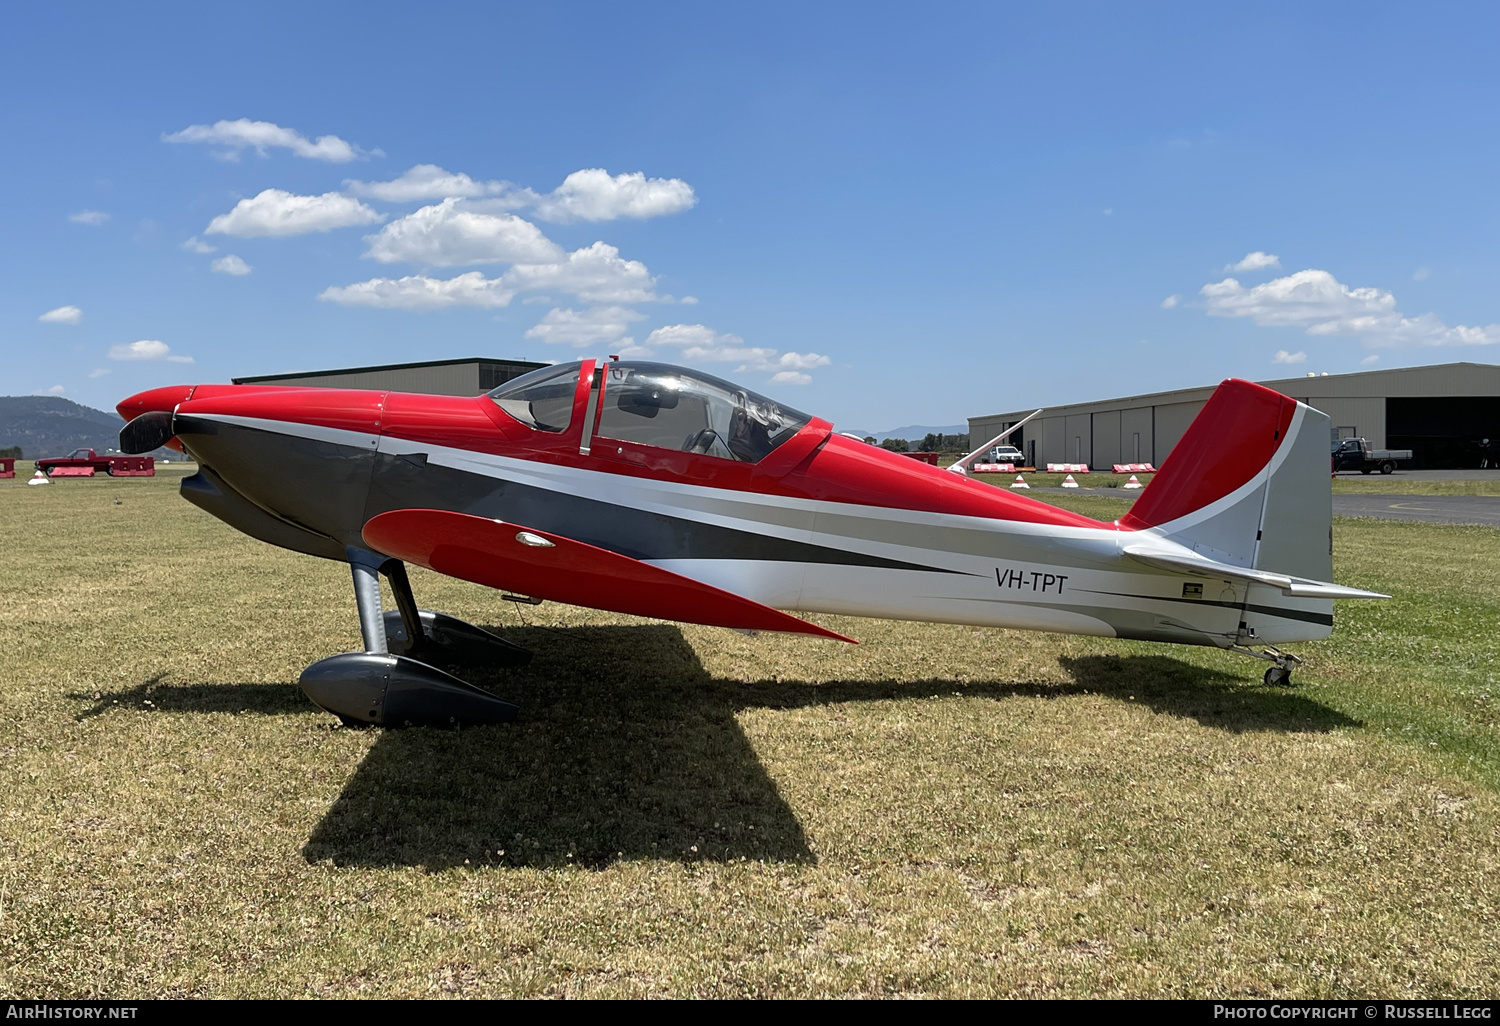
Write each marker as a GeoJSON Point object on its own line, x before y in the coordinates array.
{"type": "Point", "coordinates": [163, 399]}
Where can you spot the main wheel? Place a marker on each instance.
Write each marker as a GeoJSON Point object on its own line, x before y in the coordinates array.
{"type": "Point", "coordinates": [1277, 676]}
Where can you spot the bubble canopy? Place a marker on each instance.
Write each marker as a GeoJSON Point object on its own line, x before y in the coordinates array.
{"type": "Point", "coordinates": [661, 405]}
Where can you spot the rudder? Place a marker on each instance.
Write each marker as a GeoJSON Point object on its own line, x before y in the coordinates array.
{"type": "Point", "coordinates": [1247, 485]}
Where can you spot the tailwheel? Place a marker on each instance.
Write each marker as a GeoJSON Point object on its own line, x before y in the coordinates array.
{"type": "Point", "coordinates": [1279, 673]}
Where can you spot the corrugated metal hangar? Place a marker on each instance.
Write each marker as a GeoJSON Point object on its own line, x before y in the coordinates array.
{"type": "Point", "coordinates": [433, 377]}
{"type": "Point", "coordinates": [1441, 413]}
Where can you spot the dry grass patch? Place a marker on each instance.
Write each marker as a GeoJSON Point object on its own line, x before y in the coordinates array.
{"type": "Point", "coordinates": [686, 811]}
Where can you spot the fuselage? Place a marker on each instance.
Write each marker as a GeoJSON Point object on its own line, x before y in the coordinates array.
{"type": "Point", "coordinates": [821, 523]}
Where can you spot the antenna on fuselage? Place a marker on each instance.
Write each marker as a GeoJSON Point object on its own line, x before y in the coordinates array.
{"type": "Point", "coordinates": [962, 466]}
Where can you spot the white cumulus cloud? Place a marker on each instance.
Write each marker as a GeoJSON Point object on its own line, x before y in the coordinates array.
{"type": "Point", "coordinates": [419, 292]}
{"type": "Point", "coordinates": [595, 274]}
{"type": "Point", "coordinates": [275, 212]}
{"type": "Point", "coordinates": [1320, 304]}
{"type": "Point", "coordinates": [1282, 356]}
{"type": "Point", "coordinates": [54, 390]}
{"type": "Point", "coordinates": [452, 233]}
{"type": "Point", "coordinates": [236, 136]}
{"type": "Point", "coordinates": [802, 361]}
{"type": "Point", "coordinates": [594, 195]}
{"type": "Point", "coordinates": [62, 315]}
{"type": "Point", "coordinates": [98, 372]}
{"type": "Point", "coordinates": [1256, 261]}
{"type": "Point", "coordinates": [89, 217]}
{"type": "Point", "coordinates": [698, 343]}
{"type": "Point", "coordinates": [229, 264]}
{"type": "Point", "coordinates": [1370, 360]}
{"type": "Point", "coordinates": [193, 245]}
{"type": "Point", "coordinates": [146, 349]}
{"type": "Point", "coordinates": [426, 181]}
{"type": "Point", "coordinates": [1171, 301]}
{"type": "Point", "coordinates": [599, 325]}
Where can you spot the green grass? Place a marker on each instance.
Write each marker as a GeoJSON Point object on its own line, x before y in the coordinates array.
{"type": "Point", "coordinates": [1377, 484]}
{"type": "Point", "coordinates": [681, 811]}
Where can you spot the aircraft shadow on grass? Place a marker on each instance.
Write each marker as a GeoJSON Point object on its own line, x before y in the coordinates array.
{"type": "Point", "coordinates": [627, 748]}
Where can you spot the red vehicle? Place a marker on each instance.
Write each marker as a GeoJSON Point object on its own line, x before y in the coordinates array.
{"type": "Point", "coordinates": [86, 463]}
{"type": "Point", "coordinates": [7, 467]}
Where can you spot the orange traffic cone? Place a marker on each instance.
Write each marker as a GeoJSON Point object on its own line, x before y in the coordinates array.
{"type": "Point", "coordinates": [1020, 482]}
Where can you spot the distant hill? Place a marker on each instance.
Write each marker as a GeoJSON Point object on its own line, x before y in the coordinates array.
{"type": "Point", "coordinates": [49, 425]}
{"type": "Point", "coordinates": [912, 432]}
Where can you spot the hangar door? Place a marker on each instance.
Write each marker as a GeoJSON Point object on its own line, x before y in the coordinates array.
{"type": "Point", "coordinates": [1106, 446]}
{"type": "Point", "coordinates": [1444, 432]}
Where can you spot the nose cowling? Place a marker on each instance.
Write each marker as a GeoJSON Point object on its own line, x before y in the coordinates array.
{"type": "Point", "coordinates": [304, 455]}
{"type": "Point", "coordinates": [154, 400]}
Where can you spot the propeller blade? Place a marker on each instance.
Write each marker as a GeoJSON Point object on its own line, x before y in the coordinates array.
{"type": "Point", "coordinates": [146, 432]}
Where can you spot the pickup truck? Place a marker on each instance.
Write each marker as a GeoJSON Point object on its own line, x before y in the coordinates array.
{"type": "Point", "coordinates": [86, 463]}
{"type": "Point", "coordinates": [1005, 454]}
{"type": "Point", "coordinates": [1356, 454]}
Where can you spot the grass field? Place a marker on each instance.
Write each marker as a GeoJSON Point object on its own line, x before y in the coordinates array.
{"type": "Point", "coordinates": [683, 811]}
{"type": "Point", "coordinates": [1345, 484]}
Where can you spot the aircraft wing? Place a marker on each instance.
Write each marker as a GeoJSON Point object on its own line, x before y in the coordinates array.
{"type": "Point", "coordinates": [549, 566]}
{"type": "Point", "coordinates": [1177, 562]}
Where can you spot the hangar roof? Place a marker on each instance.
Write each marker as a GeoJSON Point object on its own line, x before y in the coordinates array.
{"type": "Point", "coordinates": [1442, 379]}
{"type": "Point", "coordinates": [261, 379]}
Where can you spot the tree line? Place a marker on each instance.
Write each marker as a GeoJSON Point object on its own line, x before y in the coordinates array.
{"type": "Point", "coordinates": [931, 442]}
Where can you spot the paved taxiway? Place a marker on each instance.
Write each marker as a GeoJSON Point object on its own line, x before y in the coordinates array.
{"type": "Point", "coordinates": [1429, 509]}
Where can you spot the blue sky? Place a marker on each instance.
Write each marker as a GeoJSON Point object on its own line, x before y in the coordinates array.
{"type": "Point", "coordinates": [885, 215]}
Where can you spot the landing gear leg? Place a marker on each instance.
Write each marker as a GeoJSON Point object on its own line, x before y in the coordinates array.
{"type": "Point", "coordinates": [438, 638]}
{"type": "Point", "coordinates": [1279, 674]}
{"type": "Point", "coordinates": [384, 690]}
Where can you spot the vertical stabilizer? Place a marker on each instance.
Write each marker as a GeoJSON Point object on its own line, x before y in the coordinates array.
{"type": "Point", "coordinates": [1247, 485]}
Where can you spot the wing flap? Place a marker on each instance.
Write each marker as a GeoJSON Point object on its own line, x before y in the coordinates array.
{"type": "Point", "coordinates": [549, 566]}
{"type": "Point", "coordinates": [1297, 587]}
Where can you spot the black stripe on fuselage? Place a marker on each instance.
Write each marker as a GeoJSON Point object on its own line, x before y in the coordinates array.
{"type": "Point", "coordinates": [258, 462]}
{"type": "Point", "coordinates": [640, 534]}
{"type": "Point", "coordinates": [1305, 615]}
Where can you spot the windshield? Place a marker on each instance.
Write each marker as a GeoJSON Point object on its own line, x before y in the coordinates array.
{"type": "Point", "coordinates": [676, 408]}
{"type": "Point", "coordinates": [541, 399]}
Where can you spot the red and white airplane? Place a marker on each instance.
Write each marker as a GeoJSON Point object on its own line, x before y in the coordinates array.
{"type": "Point", "coordinates": [665, 492]}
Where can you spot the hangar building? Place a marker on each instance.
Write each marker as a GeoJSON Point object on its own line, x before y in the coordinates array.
{"type": "Point", "coordinates": [433, 377]}
{"type": "Point", "coordinates": [1441, 412]}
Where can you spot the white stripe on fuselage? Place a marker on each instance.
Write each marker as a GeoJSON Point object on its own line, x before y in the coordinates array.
{"type": "Point", "coordinates": [1072, 579]}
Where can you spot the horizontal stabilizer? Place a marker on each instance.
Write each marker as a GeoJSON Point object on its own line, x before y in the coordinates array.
{"type": "Point", "coordinates": [550, 566]}
{"type": "Point", "coordinates": [1178, 562]}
